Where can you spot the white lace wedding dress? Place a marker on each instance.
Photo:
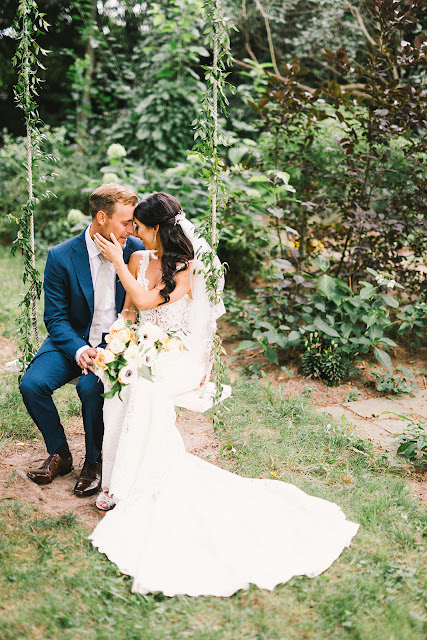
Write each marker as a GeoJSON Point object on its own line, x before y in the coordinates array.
{"type": "Point", "coordinates": [184, 526]}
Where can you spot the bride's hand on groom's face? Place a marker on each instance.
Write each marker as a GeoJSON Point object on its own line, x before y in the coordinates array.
{"type": "Point", "coordinates": [112, 251]}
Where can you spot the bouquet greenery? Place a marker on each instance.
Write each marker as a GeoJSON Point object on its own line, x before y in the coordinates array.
{"type": "Point", "coordinates": [134, 351]}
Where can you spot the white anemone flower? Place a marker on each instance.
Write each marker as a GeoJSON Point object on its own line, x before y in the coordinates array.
{"type": "Point", "coordinates": [128, 374]}
{"type": "Point", "coordinates": [149, 333]}
{"type": "Point", "coordinates": [149, 357]}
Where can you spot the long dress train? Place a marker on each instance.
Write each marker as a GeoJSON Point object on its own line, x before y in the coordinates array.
{"type": "Point", "coordinates": [184, 526]}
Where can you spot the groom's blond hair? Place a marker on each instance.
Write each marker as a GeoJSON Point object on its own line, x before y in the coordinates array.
{"type": "Point", "coordinates": [105, 197]}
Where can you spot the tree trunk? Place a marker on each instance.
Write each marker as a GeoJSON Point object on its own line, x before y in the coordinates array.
{"type": "Point", "coordinates": [86, 106]}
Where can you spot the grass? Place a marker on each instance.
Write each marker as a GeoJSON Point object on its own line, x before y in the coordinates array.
{"type": "Point", "coordinates": [15, 423]}
{"type": "Point", "coordinates": [54, 584]}
{"type": "Point", "coordinates": [11, 269]}
{"type": "Point", "coordinates": [375, 590]}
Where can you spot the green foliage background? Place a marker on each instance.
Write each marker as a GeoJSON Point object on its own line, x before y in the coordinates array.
{"type": "Point", "coordinates": [322, 142]}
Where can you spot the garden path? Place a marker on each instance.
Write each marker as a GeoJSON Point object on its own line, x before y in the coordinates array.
{"type": "Point", "coordinates": [375, 419]}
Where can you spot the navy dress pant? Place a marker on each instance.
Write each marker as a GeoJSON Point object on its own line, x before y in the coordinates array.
{"type": "Point", "coordinates": [49, 371]}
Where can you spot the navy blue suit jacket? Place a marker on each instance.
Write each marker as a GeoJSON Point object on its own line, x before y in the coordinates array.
{"type": "Point", "coordinates": [68, 292]}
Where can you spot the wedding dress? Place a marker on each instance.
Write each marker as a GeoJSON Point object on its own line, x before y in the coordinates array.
{"type": "Point", "coordinates": [184, 526]}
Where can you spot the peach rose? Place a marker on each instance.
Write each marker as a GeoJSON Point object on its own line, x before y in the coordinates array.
{"type": "Point", "coordinates": [173, 344]}
{"type": "Point", "coordinates": [103, 357]}
{"type": "Point", "coordinates": [125, 335]}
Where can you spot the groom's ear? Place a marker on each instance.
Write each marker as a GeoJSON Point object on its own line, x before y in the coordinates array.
{"type": "Point", "coordinates": [101, 217]}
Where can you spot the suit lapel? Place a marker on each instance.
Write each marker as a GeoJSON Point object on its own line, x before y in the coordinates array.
{"type": "Point", "coordinates": [80, 260]}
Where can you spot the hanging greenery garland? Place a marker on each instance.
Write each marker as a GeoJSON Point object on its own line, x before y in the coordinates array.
{"type": "Point", "coordinates": [207, 135]}
{"type": "Point", "coordinates": [208, 140]}
{"type": "Point", "coordinates": [29, 23]}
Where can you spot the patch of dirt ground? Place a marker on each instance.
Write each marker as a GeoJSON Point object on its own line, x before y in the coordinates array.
{"type": "Point", "coordinates": [58, 498]}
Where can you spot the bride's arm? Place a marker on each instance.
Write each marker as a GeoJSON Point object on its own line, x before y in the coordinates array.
{"type": "Point", "coordinates": [129, 310]}
{"type": "Point", "coordinates": [141, 298]}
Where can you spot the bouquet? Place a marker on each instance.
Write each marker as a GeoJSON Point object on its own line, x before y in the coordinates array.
{"type": "Point", "coordinates": [132, 350]}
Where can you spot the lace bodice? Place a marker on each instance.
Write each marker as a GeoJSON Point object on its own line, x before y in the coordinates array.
{"type": "Point", "coordinates": [174, 316]}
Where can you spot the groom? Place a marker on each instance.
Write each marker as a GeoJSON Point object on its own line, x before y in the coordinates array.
{"type": "Point", "coordinates": [82, 298]}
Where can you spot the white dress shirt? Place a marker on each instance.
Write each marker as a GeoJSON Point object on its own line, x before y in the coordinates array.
{"type": "Point", "coordinates": [110, 313]}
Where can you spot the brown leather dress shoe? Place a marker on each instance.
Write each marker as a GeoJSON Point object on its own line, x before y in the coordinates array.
{"type": "Point", "coordinates": [52, 467]}
{"type": "Point", "coordinates": [89, 481]}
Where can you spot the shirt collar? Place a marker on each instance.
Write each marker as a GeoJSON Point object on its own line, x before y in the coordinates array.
{"type": "Point", "coordinates": [92, 249]}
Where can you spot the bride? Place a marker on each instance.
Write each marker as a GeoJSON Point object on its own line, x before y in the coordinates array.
{"type": "Point", "coordinates": [179, 524]}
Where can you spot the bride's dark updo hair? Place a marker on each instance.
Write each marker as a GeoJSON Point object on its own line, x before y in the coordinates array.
{"type": "Point", "coordinates": [161, 209]}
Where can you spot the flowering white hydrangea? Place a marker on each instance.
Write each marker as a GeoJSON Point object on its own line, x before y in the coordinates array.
{"type": "Point", "coordinates": [116, 151]}
{"type": "Point", "coordinates": [110, 177]}
{"type": "Point", "coordinates": [379, 278]}
{"type": "Point", "coordinates": [391, 284]}
{"type": "Point", "coordinates": [75, 216]}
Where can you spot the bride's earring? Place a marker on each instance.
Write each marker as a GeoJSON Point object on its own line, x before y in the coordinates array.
{"type": "Point", "coordinates": [154, 238]}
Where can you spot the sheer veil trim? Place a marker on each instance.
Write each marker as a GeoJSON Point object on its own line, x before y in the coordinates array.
{"type": "Point", "coordinates": [205, 310]}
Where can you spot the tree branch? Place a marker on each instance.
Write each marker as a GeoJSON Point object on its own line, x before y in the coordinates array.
{"type": "Point", "coordinates": [246, 32]}
{"type": "Point", "coordinates": [270, 40]}
{"type": "Point", "coordinates": [354, 88]}
{"type": "Point", "coordinates": [356, 14]}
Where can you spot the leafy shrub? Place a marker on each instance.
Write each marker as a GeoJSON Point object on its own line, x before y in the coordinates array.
{"type": "Point", "coordinates": [413, 319]}
{"type": "Point", "coordinates": [413, 442]}
{"type": "Point", "coordinates": [395, 383]}
{"type": "Point", "coordinates": [60, 180]}
{"type": "Point", "coordinates": [358, 161]}
{"type": "Point", "coordinates": [321, 316]}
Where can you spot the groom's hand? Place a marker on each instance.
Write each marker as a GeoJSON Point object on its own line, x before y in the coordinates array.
{"type": "Point", "coordinates": [87, 359]}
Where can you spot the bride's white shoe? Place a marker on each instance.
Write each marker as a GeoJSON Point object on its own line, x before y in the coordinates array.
{"type": "Point", "coordinates": [104, 501]}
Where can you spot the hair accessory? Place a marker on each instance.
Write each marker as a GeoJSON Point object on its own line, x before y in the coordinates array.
{"type": "Point", "coordinates": [179, 216]}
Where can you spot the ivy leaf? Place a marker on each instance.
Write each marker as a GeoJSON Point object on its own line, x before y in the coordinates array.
{"type": "Point", "coordinates": [383, 358]}
{"type": "Point", "coordinates": [391, 343]}
{"type": "Point", "coordinates": [280, 263]}
{"type": "Point", "coordinates": [259, 179]}
{"type": "Point", "coordinates": [346, 329]}
{"type": "Point", "coordinates": [375, 332]}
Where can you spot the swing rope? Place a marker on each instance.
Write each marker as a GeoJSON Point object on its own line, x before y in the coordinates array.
{"type": "Point", "coordinates": [214, 183]}
{"type": "Point", "coordinates": [34, 297]}
{"type": "Point", "coordinates": [26, 12]}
